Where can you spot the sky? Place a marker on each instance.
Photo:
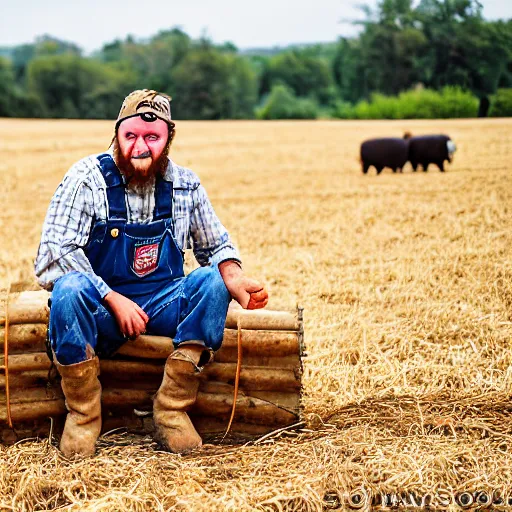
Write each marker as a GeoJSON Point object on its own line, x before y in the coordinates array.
{"type": "Point", "coordinates": [247, 24]}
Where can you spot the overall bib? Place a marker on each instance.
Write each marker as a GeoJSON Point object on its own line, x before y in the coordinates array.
{"type": "Point", "coordinates": [144, 263]}
{"type": "Point", "coordinates": [134, 259]}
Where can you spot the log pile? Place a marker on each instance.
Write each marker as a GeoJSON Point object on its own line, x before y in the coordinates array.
{"type": "Point", "coordinates": [269, 387]}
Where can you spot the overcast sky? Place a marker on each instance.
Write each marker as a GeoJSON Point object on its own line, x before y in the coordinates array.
{"type": "Point", "coordinates": [248, 24]}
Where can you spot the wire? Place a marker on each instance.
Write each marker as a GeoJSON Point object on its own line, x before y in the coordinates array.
{"type": "Point", "coordinates": [6, 358]}
{"type": "Point", "coordinates": [237, 375]}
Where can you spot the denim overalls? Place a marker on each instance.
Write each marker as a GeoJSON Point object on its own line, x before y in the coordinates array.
{"type": "Point", "coordinates": [134, 259]}
{"type": "Point", "coordinates": [144, 263]}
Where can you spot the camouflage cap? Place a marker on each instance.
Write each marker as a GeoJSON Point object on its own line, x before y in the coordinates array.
{"type": "Point", "coordinates": [147, 104]}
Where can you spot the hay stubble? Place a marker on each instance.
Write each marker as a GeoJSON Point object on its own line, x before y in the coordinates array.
{"type": "Point", "coordinates": [406, 281]}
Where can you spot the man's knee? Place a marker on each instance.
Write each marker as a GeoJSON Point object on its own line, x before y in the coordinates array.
{"type": "Point", "coordinates": [71, 350]}
{"type": "Point", "coordinates": [210, 283]}
{"type": "Point", "coordinates": [73, 298]}
{"type": "Point", "coordinates": [72, 290]}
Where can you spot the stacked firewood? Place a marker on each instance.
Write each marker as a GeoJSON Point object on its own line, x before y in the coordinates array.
{"type": "Point", "coordinates": [269, 383]}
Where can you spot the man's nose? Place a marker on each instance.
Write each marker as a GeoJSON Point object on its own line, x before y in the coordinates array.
{"type": "Point", "coordinates": [140, 146]}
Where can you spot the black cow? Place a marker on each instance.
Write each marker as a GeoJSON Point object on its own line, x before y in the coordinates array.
{"type": "Point", "coordinates": [430, 149]}
{"type": "Point", "coordinates": [388, 152]}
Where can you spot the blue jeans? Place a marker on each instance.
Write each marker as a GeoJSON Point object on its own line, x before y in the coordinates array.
{"type": "Point", "coordinates": [189, 308]}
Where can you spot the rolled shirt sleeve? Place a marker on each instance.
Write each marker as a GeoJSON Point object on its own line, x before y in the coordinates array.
{"type": "Point", "coordinates": [211, 242]}
{"type": "Point", "coordinates": [65, 233]}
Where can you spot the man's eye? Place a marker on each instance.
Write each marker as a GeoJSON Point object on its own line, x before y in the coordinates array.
{"type": "Point", "coordinates": [129, 136]}
{"type": "Point", "coordinates": [152, 137]}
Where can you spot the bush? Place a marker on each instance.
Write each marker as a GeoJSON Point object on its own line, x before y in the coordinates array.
{"type": "Point", "coordinates": [450, 102]}
{"type": "Point", "coordinates": [501, 104]}
{"type": "Point", "coordinates": [343, 110]}
{"type": "Point", "coordinates": [281, 103]}
{"type": "Point", "coordinates": [456, 102]}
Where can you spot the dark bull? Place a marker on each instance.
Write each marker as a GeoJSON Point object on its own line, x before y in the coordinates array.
{"type": "Point", "coordinates": [393, 152]}
{"type": "Point", "coordinates": [430, 149]}
{"type": "Point", "coordinates": [387, 152]}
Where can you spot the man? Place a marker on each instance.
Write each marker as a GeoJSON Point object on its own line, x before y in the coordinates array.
{"type": "Point", "coordinates": [112, 253]}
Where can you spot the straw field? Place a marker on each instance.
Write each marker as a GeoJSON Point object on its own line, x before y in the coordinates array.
{"type": "Point", "coordinates": [406, 281]}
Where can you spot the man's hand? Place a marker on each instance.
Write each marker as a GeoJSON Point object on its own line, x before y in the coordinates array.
{"type": "Point", "coordinates": [130, 316]}
{"type": "Point", "coordinates": [249, 293]}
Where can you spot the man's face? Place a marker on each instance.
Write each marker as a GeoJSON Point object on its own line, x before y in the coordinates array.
{"type": "Point", "coordinates": [141, 147]}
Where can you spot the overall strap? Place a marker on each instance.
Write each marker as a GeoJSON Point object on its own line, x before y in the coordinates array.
{"type": "Point", "coordinates": [115, 187]}
{"type": "Point", "coordinates": [163, 199]}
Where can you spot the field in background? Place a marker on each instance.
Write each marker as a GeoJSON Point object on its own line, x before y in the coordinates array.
{"type": "Point", "coordinates": [406, 281]}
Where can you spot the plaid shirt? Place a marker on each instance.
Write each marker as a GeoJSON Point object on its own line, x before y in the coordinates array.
{"type": "Point", "coordinates": [81, 200]}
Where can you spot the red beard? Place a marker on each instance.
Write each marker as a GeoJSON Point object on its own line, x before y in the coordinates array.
{"type": "Point", "coordinates": [133, 175]}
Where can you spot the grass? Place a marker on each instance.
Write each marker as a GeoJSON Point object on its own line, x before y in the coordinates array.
{"type": "Point", "coordinates": [406, 281]}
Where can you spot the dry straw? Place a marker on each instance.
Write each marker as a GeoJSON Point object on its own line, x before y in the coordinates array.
{"type": "Point", "coordinates": [406, 282]}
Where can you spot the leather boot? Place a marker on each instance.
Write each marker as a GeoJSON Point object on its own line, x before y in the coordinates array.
{"type": "Point", "coordinates": [82, 391]}
{"type": "Point", "coordinates": [178, 392]}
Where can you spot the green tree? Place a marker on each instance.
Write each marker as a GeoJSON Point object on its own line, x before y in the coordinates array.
{"type": "Point", "coordinates": [43, 46]}
{"type": "Point", "coordinates": [152, 62]}
{"type": "Point", "coordinates": [501, 104]}
{"type": "Point", "coordinates": [464, 49]}
{"type": "Point", "coordinates": [208, 84]}
{"type": "Point", "coordinates": [68, 85]}
{"type": "Point", "coordinates": [8, 93]}
{"type": "Point", "coordinates": [306, 75]}
{"type": "Point", "coordinates": [437, 43]}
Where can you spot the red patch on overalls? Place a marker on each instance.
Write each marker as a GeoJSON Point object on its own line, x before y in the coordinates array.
{"type": "Point", "coordinates": [145, 259]}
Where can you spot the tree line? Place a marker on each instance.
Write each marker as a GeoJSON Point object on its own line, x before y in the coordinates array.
{"type": "Point", "coordinates": [440, 58]}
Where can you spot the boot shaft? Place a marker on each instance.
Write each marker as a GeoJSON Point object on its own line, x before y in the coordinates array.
{"type": "Point", "coordinates": [82, 391]}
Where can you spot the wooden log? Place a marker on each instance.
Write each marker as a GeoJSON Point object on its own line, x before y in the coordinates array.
{"type": "Point", "coordinates": [40, 403]}
{"type": "Point", "coordinates": [126, 398]}
{"type": "Point", "coordinates": [248, 409]}
{"type": "Point", "coordinates": [148, 347]}
{"type": "Point", "coordinates": [262, 342]}
{"type": "Point", "coordinates": [24, 338]}
{"type": "Point", "coordinates": [289, 400]}
{"type": "Point", "coordinates": [32, 307]}
{"type": "Point", "coordinates": [37, 361]}
{"type": "Point", "coordinates": [22, 392]}
{"type": "Point", "coordinates": [130, 370]}
{"type": "Point", "coordinates": [32, 337]}
{"type": "Point", "coordinates": [25, 380]}
{"type": "Point", "coordinates": [261, 319]}
{"type": "Point", "coordinates": [116, 398]}
{"type": "Point", "coordinates": [34, 410]}
{"type": "Point", "coordinates": [258, 361]}
{"type": "Point", "coordinates": [260, 379]}
{"type": "Point", "coordinates": [255, 378]}
{"type": "Point", "coordinates": [33, 395]}
{"type": "Point", "coordinates": [268, 343]}
{"type": "Point", "coordinates": [148, 382]}
{"type": "Point", "coordinates": [33, 361]}
{"type": "Point", "coordinates": [29, 307]}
